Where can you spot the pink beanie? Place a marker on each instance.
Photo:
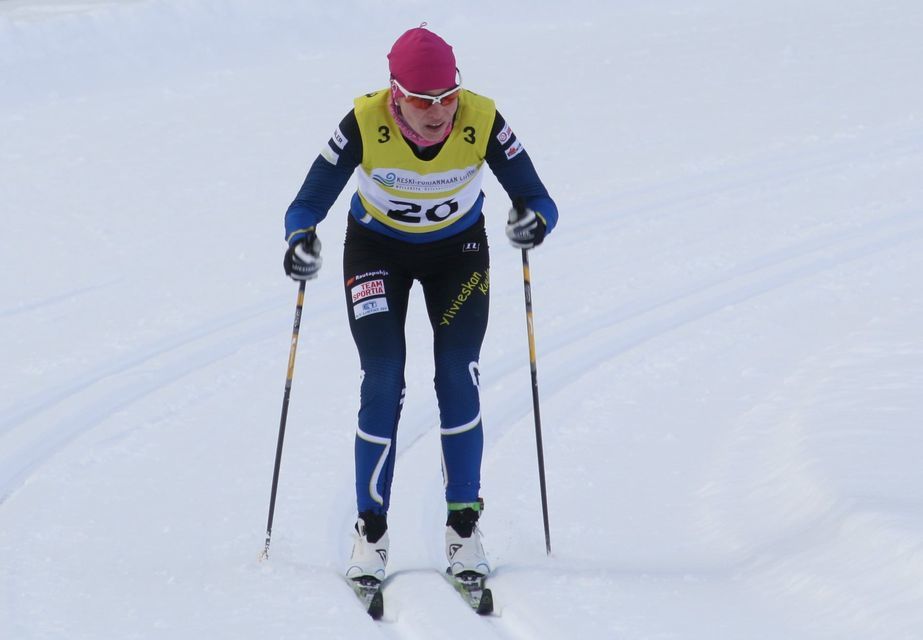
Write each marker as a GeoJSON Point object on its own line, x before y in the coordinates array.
{"type": "Point", "coordinates": [422, 61]}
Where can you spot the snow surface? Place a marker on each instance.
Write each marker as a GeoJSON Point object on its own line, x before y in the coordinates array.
{"type": "Point", "coordinates": [729, 323]}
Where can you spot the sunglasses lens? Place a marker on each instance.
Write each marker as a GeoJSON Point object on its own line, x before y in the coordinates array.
{"type": "Point", "coordinates": [425, 103]}
{"type": "Point", "coordinates": [419, 103]}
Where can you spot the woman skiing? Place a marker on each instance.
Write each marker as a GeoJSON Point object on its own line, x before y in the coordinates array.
{"type": "Point", "coordinates": [418, 149]}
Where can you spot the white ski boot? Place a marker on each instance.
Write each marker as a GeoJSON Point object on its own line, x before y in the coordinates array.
{"type": "Point", "coordinates": [463, 547]}
{"type": "Point", "coordinates": [370, 548]}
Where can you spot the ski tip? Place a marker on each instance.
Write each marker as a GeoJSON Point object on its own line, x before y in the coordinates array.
{"type": "Point", "coordinates": [377, 606]}
{"type": "Point", "coordinates": [368, 589]}
{"type": "Point", "coordinates": [486, 605]}
{"type": "Point", "coordinates": [471, 586]}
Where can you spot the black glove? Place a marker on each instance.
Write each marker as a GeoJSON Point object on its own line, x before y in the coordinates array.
{"type": "Point", "coordinates": [525, 228]}
{"type": "Point", "coordinates": [302, 260]}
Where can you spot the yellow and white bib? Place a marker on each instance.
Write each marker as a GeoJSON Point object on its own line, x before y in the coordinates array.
{"type": "Point", "coordinates": [417, 196]}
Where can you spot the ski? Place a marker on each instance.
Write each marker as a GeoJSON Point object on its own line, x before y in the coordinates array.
{"type": "Point", "coordinates": [368, 589]}
{"type": "Point", "coordinates": [472, 587]}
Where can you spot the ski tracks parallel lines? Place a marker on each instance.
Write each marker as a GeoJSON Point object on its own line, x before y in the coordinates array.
{"type": "Point", "coordinates": [41, 446]}
{"type": "Point", "coordinates": [25, 307]}
{"type": "Point", "coordinates": [694, 306]}
{"type": "Point", "coordinates": [766, 174]}
{"type": "Point", "coordinates": [28, 448]}
{"type": "Point", "coordinates": [30, 406]}
{"type": "Point", "coordinates": [758, 264]}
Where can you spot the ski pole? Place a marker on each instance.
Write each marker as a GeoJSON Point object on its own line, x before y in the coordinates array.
{"type": "Point", "coordinates": [527, 287]}
{"type": "Point", "coordinates": [285, 397]}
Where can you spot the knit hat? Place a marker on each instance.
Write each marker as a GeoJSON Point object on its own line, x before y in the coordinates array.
{"type": "Point", "coordinates": [422, 61]}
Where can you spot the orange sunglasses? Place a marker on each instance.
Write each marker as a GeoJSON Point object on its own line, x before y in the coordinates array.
{"type": "Point", "coordinates": [423, 101]}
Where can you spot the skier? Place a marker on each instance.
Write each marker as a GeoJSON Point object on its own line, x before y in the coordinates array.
{"type": "Point", "coordinates": [420, 147]}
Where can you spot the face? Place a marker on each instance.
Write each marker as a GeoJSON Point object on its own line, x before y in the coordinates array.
{"type": "Point", "coordinates": [431, 123]}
